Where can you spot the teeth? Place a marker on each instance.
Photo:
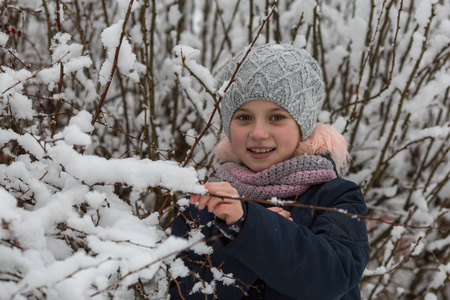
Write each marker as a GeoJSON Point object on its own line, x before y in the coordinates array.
{"type": "Point", "coordinates": [261, 150]}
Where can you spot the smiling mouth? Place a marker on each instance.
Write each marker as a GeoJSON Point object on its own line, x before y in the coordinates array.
{"type": "Point", "coordinates": [261, 150]}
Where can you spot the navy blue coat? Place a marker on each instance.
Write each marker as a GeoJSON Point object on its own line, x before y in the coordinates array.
{"type": "Point", "coordinates": [318, 255]}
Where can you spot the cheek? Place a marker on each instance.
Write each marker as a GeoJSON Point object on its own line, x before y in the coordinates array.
{"type": "Point", "coordinates": [237, 137]}
{"type": "Point", "coordinates": [237, 143]}
{"type": "Point", "coordinates": [290, 138]}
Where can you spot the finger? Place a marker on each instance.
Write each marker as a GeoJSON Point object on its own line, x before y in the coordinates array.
{"type": "Point", "coordinates": [220, 210]}
{"type": "Point", "coordinates": [193, 198]}
{"type": "Point", "coordinates": [219, 185]}
{"type": "Point", "coordinates": [275, 209]}
{"type": "Point", "coordinates": [229, 211]}
{"type": "Point", "coordinates": [203, 201]}
{"type": "Point", "coordinates": [209, 201]}
{"type": "Point", "coordinates": [285, 213]}
{"type": "Point", "coordinates": [280, 211]}
{"type": "Point", "coordinates": [221, 189]}
{"type": "Point", "coordinates": [213, 203]}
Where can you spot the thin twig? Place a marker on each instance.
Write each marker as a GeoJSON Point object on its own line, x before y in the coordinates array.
{"type": "Point", "coordinates": [176, 282]}
{"type": "Point", "coordinates": [114, 66]}
{"type": "Point", "coordinates": [35, 73]}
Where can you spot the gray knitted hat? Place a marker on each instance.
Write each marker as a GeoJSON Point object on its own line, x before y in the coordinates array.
{"type": "Point", "coordinates": [279, 73]}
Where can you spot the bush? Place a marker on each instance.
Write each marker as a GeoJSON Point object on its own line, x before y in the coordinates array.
{"type": "Point", "coordinates": [106, 121]}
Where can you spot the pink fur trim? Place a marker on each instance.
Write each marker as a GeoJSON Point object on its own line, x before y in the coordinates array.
{"type": "Point", "coordinates": [324, 140]}
{"type": "Point", "coordinates": [224, 152]}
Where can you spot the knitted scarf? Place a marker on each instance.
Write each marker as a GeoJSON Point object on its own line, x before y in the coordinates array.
{"type": "Point", "coordinates": [286, 179]}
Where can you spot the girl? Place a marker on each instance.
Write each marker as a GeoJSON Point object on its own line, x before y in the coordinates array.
{"type": "Point", "coordinates": [274, 148]}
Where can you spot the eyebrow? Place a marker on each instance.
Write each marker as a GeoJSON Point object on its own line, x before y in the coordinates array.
{"type": "Point", "coordinates": [275, 109]}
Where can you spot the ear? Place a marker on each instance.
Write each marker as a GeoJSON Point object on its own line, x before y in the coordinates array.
{"type": "Point", "coordinates": [224, 152]}
{"type": "Point", "coordinates": [326, 140]}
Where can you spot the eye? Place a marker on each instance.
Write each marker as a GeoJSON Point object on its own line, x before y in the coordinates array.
{"type": "Point", "coordinates": [277, 118]}
{"type": "Point", "coordinates": [243, 117]}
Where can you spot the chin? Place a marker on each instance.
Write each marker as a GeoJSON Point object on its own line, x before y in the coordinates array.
{"type": "Point", "coordinates": [258, 168]}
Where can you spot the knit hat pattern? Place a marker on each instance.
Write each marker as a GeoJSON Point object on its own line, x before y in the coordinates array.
{"type": "Point", "coordinates": [280, 73]}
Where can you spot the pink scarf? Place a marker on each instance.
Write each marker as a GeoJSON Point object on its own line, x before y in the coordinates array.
{"type": "Point", "coordinates": [283, 180]}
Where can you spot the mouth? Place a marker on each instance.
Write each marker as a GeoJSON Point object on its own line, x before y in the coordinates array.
{"type": "Point", "coordinates": [261, 153]}
{"type": "Point", "coordinates": [259, 150]}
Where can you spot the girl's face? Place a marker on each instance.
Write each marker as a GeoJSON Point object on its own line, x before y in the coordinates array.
{"type": "Point", "coordinates": [263, 134]}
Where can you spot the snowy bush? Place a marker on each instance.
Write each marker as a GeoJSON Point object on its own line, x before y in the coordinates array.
{"type": "Point", "coordinates": [108, 115]}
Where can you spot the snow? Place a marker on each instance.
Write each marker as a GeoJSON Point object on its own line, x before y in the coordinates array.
{"type": "Point", "coordinates": [189, 55]}
{"type": "Point", "coordinates": [126, 60]}
{"type": "Point", "coordinates": [423, 12]}
{"type": "Point", "coordinates": [178, 269]}
{"type": "Point", "coordinates": [445, 28]}
{"type": "Point", "coordinates": [439, 280]}
{"type": "Point", "coordinates": [377, 271]}
{"type": "Point", "coordinates": [119, 229]}
{"type": "Point", "coordinates": [227, 279]}
{"type": "Point", "coordinates": [124, 4]}
{"type": "Point", "coordinates": [11, 93]}
{"type": "Point", "coordinates": [202, 287]}
{"type": "Point", "coordinates": [439, 244]}
{"type": "Point", "coordinates": [174, 15]}
{"type": "Point", "coordinates": [191, 134]}
{"type": "Point", "coordinates": [183, 203]}
{"type": "Point", "coordinates": [276, 201]}
{"type": "Point", "coordinates": [200, 248]}
{"type": "Point", "coordinates": [225, 85]}
{"type": "Point", "coordinates": [105, 72]}
{"type": "Point", "coordinates": [79, 125]}
{"type": "Point", "coordinates": [420, 201]}
{"type": "Point", "coordinates": [111, 35]}
{"type": "Point", "coordinates": [119, 237]}
{"type": "Point", "coordinates": [62, 49]}
{"type": "Point", "coordinates": [7, 210]}
{"type": "Point", "coordinates": [416, 48]}
{"type": "Point", "coordinates": [3, 38]}
{"type": "Point", "coordinates": [27, 141]}
{"type": "Point", "coordinates": [430, 296]}
{"type": "Point", "coordinates": [397, 232]}
{"type": "Point", "coordinates": [73, 64]}
{"type": "Point", "coordinates": [95, 199]}
{"type": "Point", "coordinates": [139, 173]}
{"type": "Point", "coordinates": [20, 106]}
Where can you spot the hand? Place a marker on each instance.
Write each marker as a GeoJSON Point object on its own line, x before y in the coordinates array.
{"type": "Point", "coordinates": [281, 211]}
{"type": "Point", "coordinates": [225, 208]}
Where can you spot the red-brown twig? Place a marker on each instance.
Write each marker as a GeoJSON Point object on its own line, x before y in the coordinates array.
{"type": "Point", "coordinates": [339, 211]}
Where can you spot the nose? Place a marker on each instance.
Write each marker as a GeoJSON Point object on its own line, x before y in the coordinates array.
{"type": "Point", "coordinates": [259, 131]}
